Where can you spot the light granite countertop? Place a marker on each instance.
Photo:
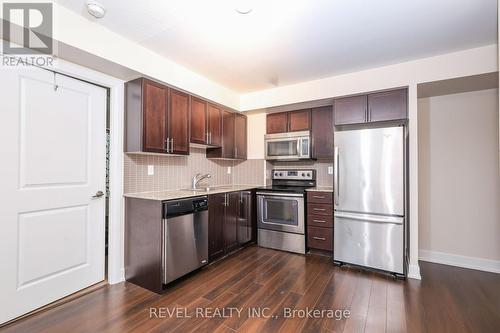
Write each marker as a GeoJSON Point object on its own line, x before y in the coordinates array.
{"type": "Point", "coordinates": [184, 193]}
{"type": "Point", "coordinates": [321, 189]}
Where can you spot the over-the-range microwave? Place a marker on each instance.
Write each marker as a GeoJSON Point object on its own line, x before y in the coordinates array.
{"type": "Point", "coordinates": [289, 146]}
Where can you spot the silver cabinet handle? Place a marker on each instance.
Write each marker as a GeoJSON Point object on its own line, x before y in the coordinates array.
{"type": "Point", "coordinates": [98, 194]}
{"type": "Point", "coordinates": [319, 221]}
{"type": "Point", "coordinates": [319, 238]}
{"type": "Point", "coordinates": [319, 209]}
{"type": "Point", "coordinates": [318, 197]}
{"type": "Point", "coordinates": [210, 137]}
{"type": "Point", "coordinates": [206, 135]}
{"type": "Point", "coordinates": [172, 145]}
{"type": "Point", "coordinates": [167, 145]}
{"type": "Point", "coordinates": [336, 190]}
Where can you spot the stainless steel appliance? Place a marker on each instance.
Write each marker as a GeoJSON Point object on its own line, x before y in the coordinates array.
{"type": "Point", "coordinates": [288, 146]}
{"type": "Point", "coordinates": [280, 210]}
{"type": "Point", "coordinates": [184, 237]}
{"type": "Point", "coordinates": [369, 198]}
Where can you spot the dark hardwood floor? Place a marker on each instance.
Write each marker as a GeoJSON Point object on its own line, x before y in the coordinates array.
{"type": "Point", "coordinates": [448, 299]}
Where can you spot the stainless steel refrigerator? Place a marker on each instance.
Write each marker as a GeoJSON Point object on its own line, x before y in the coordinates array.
{"type": "Point", "coordinates": [369, 198]}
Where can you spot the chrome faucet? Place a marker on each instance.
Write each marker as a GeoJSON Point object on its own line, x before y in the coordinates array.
{"type": "Point", "coordinates": [199, 177]}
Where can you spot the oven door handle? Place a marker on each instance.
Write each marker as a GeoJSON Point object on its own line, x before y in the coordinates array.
{"type": "Point", "coordinates": [267, 194]}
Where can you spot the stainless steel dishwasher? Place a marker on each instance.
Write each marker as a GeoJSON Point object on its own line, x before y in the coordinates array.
{"type": "Point", "coordinates": [184, 236]}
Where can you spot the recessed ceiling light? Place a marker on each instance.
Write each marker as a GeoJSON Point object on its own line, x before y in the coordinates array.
{"type": "Point", "coordinates": [243, 6]}
{"type": "Point", "coordinates": [96, 9]}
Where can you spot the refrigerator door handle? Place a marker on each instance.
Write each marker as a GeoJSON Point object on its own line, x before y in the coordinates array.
{"type": "Point", "coordinates": [371, 218]}
{"type": "Point", "coordinates": [336, 191]}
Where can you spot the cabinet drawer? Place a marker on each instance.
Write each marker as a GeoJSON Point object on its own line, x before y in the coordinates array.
{"type": "Point", "coordinates": [319, 209]}
{"type": "Point", "coordinates": [320, 238]}
{"type": "Point", "coordinates": [319, 197]}
{"type": "Point", "coordinates": [320, 221]}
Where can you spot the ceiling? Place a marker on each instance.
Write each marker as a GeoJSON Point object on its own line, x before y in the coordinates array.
{"type": "Point", "coordinates": [282, 42]}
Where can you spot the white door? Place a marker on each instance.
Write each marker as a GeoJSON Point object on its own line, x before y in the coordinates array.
{"type": "Point", "coordinates": [53, 146]}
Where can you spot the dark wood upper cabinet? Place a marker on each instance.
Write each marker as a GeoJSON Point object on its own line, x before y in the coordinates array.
{"type": "Point", "coordinates": [234, 133]}
{"type": "Point", "coordinates": [146, 105]}
{"type": "Point", "coordinates": [214, 125]}
{"type": "Point", "coordinates": [350, 110]}
{"type": "Point", "coordinates": [277, 123]}
{"type": "Point", "coordinates": [292, 121]}
{"type": "Point", "coordinates": [299, 120]}
{"type": "Point", "coordinates": [155, 117]}
{"type": "Point", "coordinates": [227, 134]}
{"type": "Point", "coordinates": [240, 136]}
{"type": "Point", "coordinates": [381, 106]}
{"type": "Point", "coordinates": [178, 120]}
{"type": "Point", "coordinates": [199, 121]}
{"type": "Point", "coordinates": [388, 105]}
{"type": "Point", "coordinates": [322, 132]}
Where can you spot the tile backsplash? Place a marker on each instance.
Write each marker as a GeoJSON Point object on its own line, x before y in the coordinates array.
{"type": "Point", "coordinates": [176, 172]}
{"type": "Point", "coordinates": [321, 167]}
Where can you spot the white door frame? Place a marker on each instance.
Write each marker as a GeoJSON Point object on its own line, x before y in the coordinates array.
{"type": "Point", "coordinates": [116, 271]}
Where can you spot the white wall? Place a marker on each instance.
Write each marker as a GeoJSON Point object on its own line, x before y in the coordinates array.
{"type": "Point", "coordinates": [459, 182]}
{"type": "Point", "coordinates": [90, 37]}
{"type": "Point", "coordinates": [256, 122]}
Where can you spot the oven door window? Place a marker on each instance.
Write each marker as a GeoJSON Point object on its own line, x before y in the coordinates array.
{"type": "Point", "coordinates": [282, 148]}
{"type": "Point", "coordinates": [281, 211]}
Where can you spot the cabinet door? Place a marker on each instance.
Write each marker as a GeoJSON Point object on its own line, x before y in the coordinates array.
{"type": "Point", "coordinates": [299, 120]}
{"type": "Point", "coordinates": [199, 130]}
{"type": "Point", "coordinates": [216, 214]}
{"type": "Point", "coordinates": [277, 123]}
{"type": "Point", "coordinates": [322, 132]}
{"type": "Point", "coordinates": [389, 105]}
{"type": "Point", "coordinates": [350, 110]}
{"type": "Point", "coordinates": [231, 221]}
{"type": "Point", "coordinates": [227, 134]}
{"type": "Point", "coordinates": [240, 136]}
{"type": "Point", "coordinates": [178, 120]}
{"type": "Point", "coordinates": [214, 125]}
{"type": "Point", "coordinates": [154, 117]}
{"type": "Point", "coordinates": [245, 218]}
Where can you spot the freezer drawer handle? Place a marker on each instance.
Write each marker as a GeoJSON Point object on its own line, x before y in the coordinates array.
{"type": "Point", "coordinates": [371, 218]}
{"type": "Point", "coordinates": [319, 238]}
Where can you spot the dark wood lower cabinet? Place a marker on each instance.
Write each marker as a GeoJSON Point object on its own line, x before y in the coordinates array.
{"type": "Point", "coordinates": [216, 216]}
{"type": "Point", "coordinates": [320, 221]}
{"type": "Point", "coordinates": [230, 224]}
{"type": "Point", "coordinates": [231, 221]}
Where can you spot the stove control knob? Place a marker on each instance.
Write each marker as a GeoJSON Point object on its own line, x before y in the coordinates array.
{"type": "Point", "coordinates": [303, 174]}
{"type": "Point", "coordinates": [308, 174]}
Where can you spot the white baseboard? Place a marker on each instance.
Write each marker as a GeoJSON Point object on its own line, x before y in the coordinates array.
{"type": "Point", "coordinates": [486, 265]}
{"type": "Point", "coordinates": [414, 272]}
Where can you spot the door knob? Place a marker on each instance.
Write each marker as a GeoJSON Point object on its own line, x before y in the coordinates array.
{"type": "Point", "coordinates": [98, 194]}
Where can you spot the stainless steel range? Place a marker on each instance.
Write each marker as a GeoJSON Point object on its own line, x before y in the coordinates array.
{"type": "Point", "coordinates": [280, 210]}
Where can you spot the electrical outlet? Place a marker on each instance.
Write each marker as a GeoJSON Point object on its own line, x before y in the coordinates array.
{"type": "Point", "coordinates": [151, 170]}
{"type": "Point", "coordinates": [330, 170]}
{"type": "Point", "coordinates": [228, 170]}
